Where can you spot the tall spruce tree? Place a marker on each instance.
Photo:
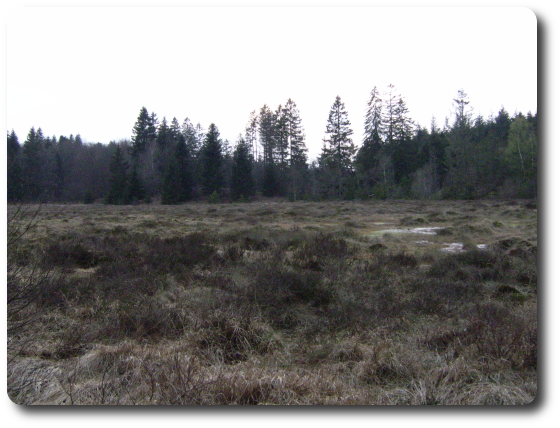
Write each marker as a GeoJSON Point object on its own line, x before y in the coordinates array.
{"type": "Point", "coordinates": [267, 133]}
{"type": "Point", "coordinates": [136, 190]}
{"type": "Point", "coordinates": [268, 138]}
{"type": "Point", "coordinates": [251, 134]}
{"type": "Point", "coordinates": [297, 149]}
{"type": "Point", "coordinates": [143, 130]}
{"type": "Point", "coordinates": [338, 149]}
{"type": "Point", "coordinates": [14, 176]}
{"type": "Point", "coordinates": [175, 131]}
{"type": "Point", "coordinates": [177, 185]}
{"type": "Point", "coordinates": [163, 136]}
{"type": "Point", "coordinates": [212, 159]}
{"type": "Point", "coordinates": [371, 154]}
{"type": "Point", "coordinates": [461, 178]}
{"type": "Point", "coordinates": [33, 164]}
{"type": "Point", "coordinates": [118, 179]}
{"type": "Point", "coordinates": [373, 119]}
{"type": "Point", "coordinates": [404, 150]}
{"type": "Point", "coordinates": [242, 184]}
{"type": "Point", "coordinates": [388, 128]}
{"type": "Point", "coordinates": [281, 139]}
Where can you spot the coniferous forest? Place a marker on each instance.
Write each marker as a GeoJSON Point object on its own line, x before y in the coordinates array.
{"type": "Point", "coordinates": [467, 158]}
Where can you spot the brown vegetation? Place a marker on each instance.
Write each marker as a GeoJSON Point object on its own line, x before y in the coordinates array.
{"type": "Point", "coordinates": [273, 303]}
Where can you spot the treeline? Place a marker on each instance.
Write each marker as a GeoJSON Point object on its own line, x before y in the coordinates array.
{"type": "Point", "coordinates": [469, 157]}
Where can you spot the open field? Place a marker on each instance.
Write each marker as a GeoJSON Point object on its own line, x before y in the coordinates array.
{"type": "Point", "coordinates": [382, 302]}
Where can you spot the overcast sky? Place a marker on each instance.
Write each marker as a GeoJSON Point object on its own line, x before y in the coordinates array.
{"type": "Point", "coordinates": [90, 70]}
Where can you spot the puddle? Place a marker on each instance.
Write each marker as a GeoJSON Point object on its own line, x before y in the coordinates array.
{"type": "Point", "coordinates": [454, 247]}
{"type": "Point", "coordinates": [426, 230]}
{"type": "Point", "coordinates": [420, 230]}
{"type": "Point", "coordinates": [457, 247]}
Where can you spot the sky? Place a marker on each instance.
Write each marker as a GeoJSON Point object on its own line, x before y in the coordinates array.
{"type": "Point", "coordinates": [89, 71]}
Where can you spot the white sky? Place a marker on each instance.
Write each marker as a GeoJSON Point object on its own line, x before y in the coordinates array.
{"type": "Point", "coordinates": [90, 70]}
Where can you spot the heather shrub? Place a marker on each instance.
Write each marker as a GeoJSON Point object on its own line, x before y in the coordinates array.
{"type": "Point", "coordinates": [70, 254]}
{"type": "Point", "coordinates": [277, 286]}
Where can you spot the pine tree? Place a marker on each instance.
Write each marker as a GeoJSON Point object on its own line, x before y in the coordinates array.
{"type": "Point", "coordinates": [338, 149]}
{"type": "Point", "coordinates": [242, 184]}
{"type": "Point", "coordinates": [118, 180]}
{"type": "Point", "coordinates": [212, 158]}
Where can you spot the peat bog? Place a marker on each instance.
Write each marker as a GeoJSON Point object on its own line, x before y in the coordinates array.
{"type": "Point", "coordinates": [273, 302]}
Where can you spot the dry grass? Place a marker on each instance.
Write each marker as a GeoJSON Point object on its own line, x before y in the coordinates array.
{"type": "Point", "coordinates": [275, 303]}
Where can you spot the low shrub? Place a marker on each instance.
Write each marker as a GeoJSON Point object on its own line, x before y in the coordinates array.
{"type": "Point", "coordinates": [144, 318]}
{"type": "Point", "coordinates": [505, 336]}
{"type": "Point", "coordinates": [232, 339]}
{"type": "Point", "coordinates": [171, 254]}
{"type": "Point", "coordinates": [70, 254]}
{"type": "Point", "coordinates": [277, 286]}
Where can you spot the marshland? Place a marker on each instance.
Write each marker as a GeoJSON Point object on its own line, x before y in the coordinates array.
{"type": "Point", "coordinates": [273, 302]}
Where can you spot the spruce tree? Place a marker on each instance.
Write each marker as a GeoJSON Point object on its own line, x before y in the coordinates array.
{"type": "Point", "coordinates": [267, 133]}
{"type": "Point", "coordinates": [118, 179]}
{"type": "Point", "coordinates": [175, 131]}
{"type": "Point", "coordinates": [177, 185]}
{"type": "Point", "coordinates": [461, 175]}
{"type": "Point", "coordinates": [14, 177]}
{"type": "Point", "coordinates": [163, 137]}
{"type": "Point", "coordinates": [268, 137]}
{"type": "Point", "coordinates": [190, 135]}
{"type": "Point", "coordinates": [142, 132]}
{"type": "Point", "coordinates": [373, 119]}
{"type": "Point", "coordinates": [281, 138]}
{"type": "Point", "coordinates": [270, 180]}
{"type": "Point", "coordinates": [297, 149]}
{"type": "Point", "coordinates": [338, 149]}
{"type": "Point", "coordinates": [404, 151]}
{"type": "Point", "coordinates": [33, 164]}
{"type": "Point", "coordinates": [388, 125]}
{"type": "Point", "coordinates": [212, 158]}
{"type": "Point", "coordinates": [242, 184]}
{"type": "Point", "coordinates": [369, 156]}
{"type": "Point", "coordinates": [251, 134]}
{"type": "Point", "coordinates": [136, 190]}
